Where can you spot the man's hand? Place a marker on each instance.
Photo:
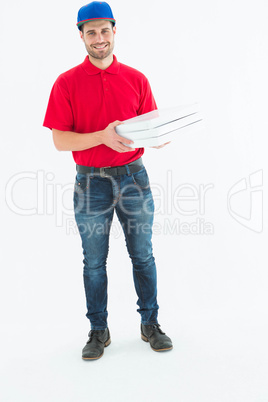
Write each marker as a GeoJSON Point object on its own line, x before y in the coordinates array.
{"type": "Point", "coordinates": [112, 140]}
{"type": "Point", "coordinates": [161, 146]}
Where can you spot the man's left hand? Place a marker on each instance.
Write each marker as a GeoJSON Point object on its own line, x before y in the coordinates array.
{"type": "Point", "coordinates": [161, 146]}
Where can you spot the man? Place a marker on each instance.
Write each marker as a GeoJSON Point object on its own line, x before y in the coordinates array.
{"type": "Point", "coordinates": [86, 104]}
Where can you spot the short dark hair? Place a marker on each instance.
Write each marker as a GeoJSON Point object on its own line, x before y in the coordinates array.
{"type": "Point", "coordinates": [82, 26]}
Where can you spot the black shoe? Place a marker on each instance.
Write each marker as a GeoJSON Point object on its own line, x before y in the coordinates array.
{"type": "Point", "coordinates": [159, 341]}
{"type": "Point", "coordinates": [98, 340]}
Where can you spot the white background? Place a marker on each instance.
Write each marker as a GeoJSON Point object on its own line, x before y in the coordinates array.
{"type": "Point", "coordinates": [212, 287]}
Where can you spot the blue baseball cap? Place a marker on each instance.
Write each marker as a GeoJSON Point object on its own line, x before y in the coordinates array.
{"type": "Point", "coordinates": [96, 10]}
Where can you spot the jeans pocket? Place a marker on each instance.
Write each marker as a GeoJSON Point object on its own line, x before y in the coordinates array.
{"type": "Point", "coordinates": [81, 182]}
{"type": "Point", "coordinates": [141, 179]}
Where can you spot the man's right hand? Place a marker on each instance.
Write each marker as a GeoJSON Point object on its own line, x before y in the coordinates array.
{"type": "Point", "coordinates": [112, 140]}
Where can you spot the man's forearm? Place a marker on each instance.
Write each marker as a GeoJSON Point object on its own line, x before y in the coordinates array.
{"type": "Point", "coordinates": [71, 141]}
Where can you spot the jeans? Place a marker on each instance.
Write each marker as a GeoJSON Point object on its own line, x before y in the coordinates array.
{"type": "Point", "coordinates": [95, 200]}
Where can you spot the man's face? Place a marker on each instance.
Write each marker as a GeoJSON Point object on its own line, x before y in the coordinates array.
{"type": "Point", "coordinates": [98, 37]}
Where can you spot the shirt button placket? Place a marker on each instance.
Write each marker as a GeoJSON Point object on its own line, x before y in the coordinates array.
{"type": "Point", "coordinates": [104, 81]}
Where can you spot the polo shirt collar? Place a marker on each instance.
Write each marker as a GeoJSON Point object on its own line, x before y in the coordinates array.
{"type": "Point", "coordinates": [90, 69]}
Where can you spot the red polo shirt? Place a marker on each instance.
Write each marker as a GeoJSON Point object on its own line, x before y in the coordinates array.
{"type": "Point", "coordinates": [86, 99]}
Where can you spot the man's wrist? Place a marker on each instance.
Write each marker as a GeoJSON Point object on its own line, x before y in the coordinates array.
{"type": "Point", "coordinates": [99, 137]}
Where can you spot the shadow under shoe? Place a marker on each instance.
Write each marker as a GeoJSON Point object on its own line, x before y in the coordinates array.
{"type": "Point", "coordinates": [98, 340]}
{"type": "Point", "coordinates": [158, 340]}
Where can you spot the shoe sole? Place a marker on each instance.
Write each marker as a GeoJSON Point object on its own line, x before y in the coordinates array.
{"type": "Point", "coordinates": [145, 339]}
{"type": "Point", "coordinates": [107, 343]}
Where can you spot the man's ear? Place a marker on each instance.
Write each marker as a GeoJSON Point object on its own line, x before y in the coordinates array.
{"type": "Point", "coordinates": [114, 30]}
{"type": "Point", "coordinates": [81, 35]}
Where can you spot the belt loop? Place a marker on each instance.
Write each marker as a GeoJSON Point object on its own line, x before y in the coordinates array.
{"type": "Point", "coordinates": [92, 172]}
{"type": "Point", "coordinates": [127, 169]}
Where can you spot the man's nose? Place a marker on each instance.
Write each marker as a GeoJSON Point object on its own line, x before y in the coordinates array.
{"type": "Point", "coordinates": [99, 38]}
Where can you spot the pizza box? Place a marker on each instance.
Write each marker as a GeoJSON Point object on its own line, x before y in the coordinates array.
{"type": "Point", "coordinates": [156, 118]}
{"type": "Point", "coordinates": [163, 129]}
{"type": "Point", "coordinates": [169, 135]}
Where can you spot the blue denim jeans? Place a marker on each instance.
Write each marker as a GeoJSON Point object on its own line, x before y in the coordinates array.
{"type": "Point", "coordinates": [95, 200]}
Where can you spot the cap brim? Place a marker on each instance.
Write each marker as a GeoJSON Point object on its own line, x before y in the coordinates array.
{"type": "Point", "coordinates": [94, 19]}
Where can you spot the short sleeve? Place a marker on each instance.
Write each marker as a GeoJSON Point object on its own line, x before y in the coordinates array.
{"type": "Point", "coordinates": [59, 114]}
{"type": "Point", "coordinates": [147, 101]}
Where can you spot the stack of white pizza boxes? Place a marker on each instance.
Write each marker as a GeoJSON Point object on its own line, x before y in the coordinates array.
{"type": "Point", "coordinates": [159, 126]}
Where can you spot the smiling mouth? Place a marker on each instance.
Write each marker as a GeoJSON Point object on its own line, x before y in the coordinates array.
{"type": "Point", "coordinates": [102, 47]}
